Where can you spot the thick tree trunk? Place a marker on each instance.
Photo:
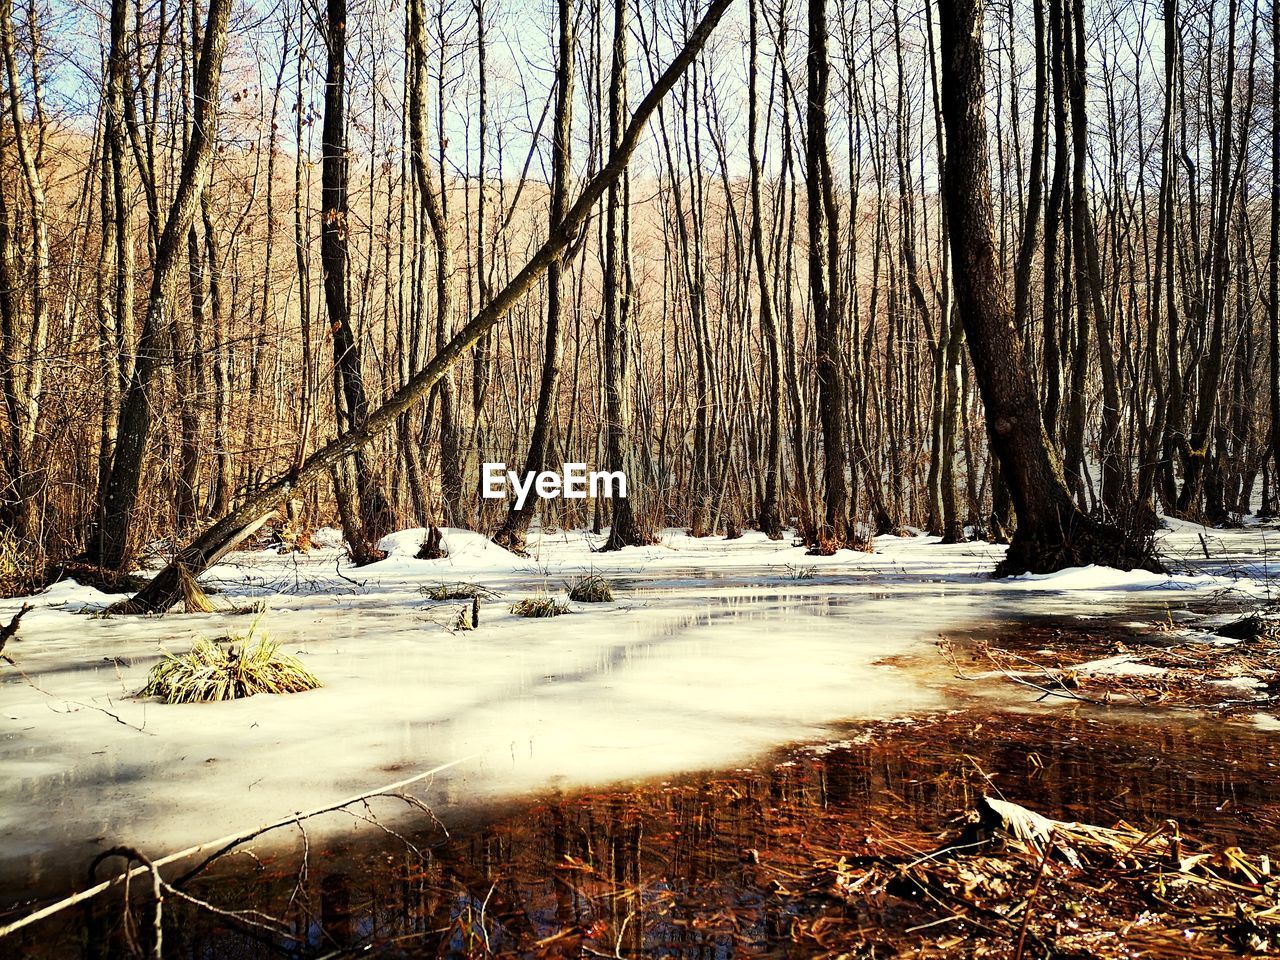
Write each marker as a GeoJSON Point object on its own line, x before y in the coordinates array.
{"type": "Point", "coordinates": [1052, 533]}
{"type": "Point", "coordinates": [351, 400]}
{"type": "Point", "coordinates": [824, 287]}
{"type": "Point", "coordinates": [624, 527]}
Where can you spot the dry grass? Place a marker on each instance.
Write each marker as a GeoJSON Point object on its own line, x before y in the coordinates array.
{"type": "Point", "coordinates": [19, 569]}
{"type": "Point", "coordinates": [590, 589]}
{"type": "Point", "coordinates": [194, 599]}
{"type": "Point", "coordinates": [458, 591]}
{"type": "Point", "coordinates": [539, 606]}
{"type": "Point", "coordinates": [236, 667]}
{"type": "Point", "coordinates": [800, 572]}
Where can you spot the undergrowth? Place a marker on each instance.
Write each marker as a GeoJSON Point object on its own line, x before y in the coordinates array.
{"type": "Point", "coordinates": [19, 571]}
{"type": "Point", "coordinates": [458, 591]}
{"type": "Point", "coordinates": [237, 666]}
{"type": "Point", "coordinates": [539, 606]}
{"type": "Point", "coordinates": [590, 589]}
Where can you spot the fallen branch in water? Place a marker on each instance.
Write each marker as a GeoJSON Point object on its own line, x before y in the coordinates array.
{"type": "Point", "coordinates": [220, 846]}
{"type": "Point", "coordinates": [1008, 874]}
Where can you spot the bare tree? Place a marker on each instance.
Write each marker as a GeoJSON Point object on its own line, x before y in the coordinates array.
{"type": "Point", "coordinates": [1052, 532]}
{"type": "Point", "coordinates": [111, 544]}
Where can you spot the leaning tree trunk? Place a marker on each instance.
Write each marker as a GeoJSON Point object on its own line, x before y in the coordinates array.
{"type": "Point", "coordinates": [1052, 533]}
{"type": "Point", "coordinates": [196, 557]}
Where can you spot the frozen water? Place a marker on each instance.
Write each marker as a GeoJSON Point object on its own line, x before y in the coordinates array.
{"type": "Point", "coordinates": [713, 652]}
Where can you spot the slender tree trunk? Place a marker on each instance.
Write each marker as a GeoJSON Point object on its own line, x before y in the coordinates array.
{"type": "Point", "coordinates": [516, 524]}
{"type": "Point", "coordinates": [770, 509]}
{"type": "Point", "coordinates": [26, 348]}
{"type": "Point", "coordinates": [351, 399]}
{"type": "Point", "coordinates": [624, 528]}
{"type": "Point", "coordinates": [1116, 494]}
{"type": "Point", "coordinates": [112, 546]}
{"type": "Point", "coordinates": [1273, 257]}
{"type": "Point", "coordinates": [1196, 447]}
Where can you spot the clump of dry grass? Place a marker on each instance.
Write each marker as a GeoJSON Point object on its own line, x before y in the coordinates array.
{"type": "Point", "coordinates": [458, 591]}
{"type": "Point", "coordinates": [539, 606]}
{"type": "Point", "coordinates": [194, 599]}
{"type": "Point", "coordinates": [590, 589]}
{"type": "Point", "coordinates": [211, 672]}
{"type": "Point", "coordinates": [19, 569]}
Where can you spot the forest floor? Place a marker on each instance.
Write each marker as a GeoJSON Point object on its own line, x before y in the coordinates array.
{"type": "Point", "coordinates": [712, 654]}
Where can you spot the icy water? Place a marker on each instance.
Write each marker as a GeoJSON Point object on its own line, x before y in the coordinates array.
{"type": "Point", "coordinates": [704, 663]}
{"type": "Point", "coordinates": [683, 673]}
{"type": "Point", "coordinates": [693, 866]}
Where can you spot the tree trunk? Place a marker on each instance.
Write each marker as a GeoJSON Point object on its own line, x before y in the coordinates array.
{"type": "Point", "coordinates": [770, 519]}
{"type": "Point", "coordinates": [1273, 257]}
{"type": "Point", "coordinates": [511, 534]}
{"type": "Point", "coordinates": [824, 287]}
{"type": "Point", "coordinates": [624, 529]}
{"type": "Point", "coordinates": [1052, 533]}
{"type": "Point", "coordinates": [26, 348]}
{"type": "Point", "coordinates": [111, 546]}
{"type": "Point", "coordinates": [351, 399]}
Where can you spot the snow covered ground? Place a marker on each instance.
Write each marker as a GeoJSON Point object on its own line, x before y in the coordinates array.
{"type": "Point", "coordinates": [713, 652]}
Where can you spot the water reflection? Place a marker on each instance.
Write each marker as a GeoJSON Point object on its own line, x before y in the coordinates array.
{"type": "Point", "coordinates": [701, 866]}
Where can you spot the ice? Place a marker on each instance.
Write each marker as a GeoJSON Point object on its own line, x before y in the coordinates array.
{"type": "Point", "coordinates": [1121, 665]}
{"type": "Point", "coordinates": [713, 653]}
{"type": "Point", "coordinates": [1243, 684]}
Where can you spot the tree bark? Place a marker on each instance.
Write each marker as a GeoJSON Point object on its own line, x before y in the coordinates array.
{"type": "Point", "coordinates": [1052, 533]}
{"type": "Point", "coordinates": [824, 287]}
{"type": "Point", "coordinates": [511, 534]}
{"type": "Point", "coordinates": [352, 402]}
{"type": "Point", "coordinates": [1273, 257]}
{"type": "Point", "coordinates": [624, 528]}
{"type": "Point", "coordinates": [111, 546]}
{"type": "Point", "coordinates": [770, 519]}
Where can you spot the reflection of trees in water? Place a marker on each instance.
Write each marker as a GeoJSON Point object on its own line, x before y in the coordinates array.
{"type": "Point", "coordinates": [691, 868]}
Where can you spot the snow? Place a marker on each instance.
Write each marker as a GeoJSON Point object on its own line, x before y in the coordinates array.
{"type": "Point", "coordinates": [468, 553]}
{"type": "Point", "coordinates": [1240, 684]}
{"type": "Point", "coordinates": [713, 653]}
{"type": "Point", "coordinates": [1107, 578]}
{"type": "Point", "coordinates": [1121, 665]}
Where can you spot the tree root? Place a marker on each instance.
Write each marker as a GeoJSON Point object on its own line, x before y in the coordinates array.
{"type": "Point", "coordinates": [1080, 541]}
